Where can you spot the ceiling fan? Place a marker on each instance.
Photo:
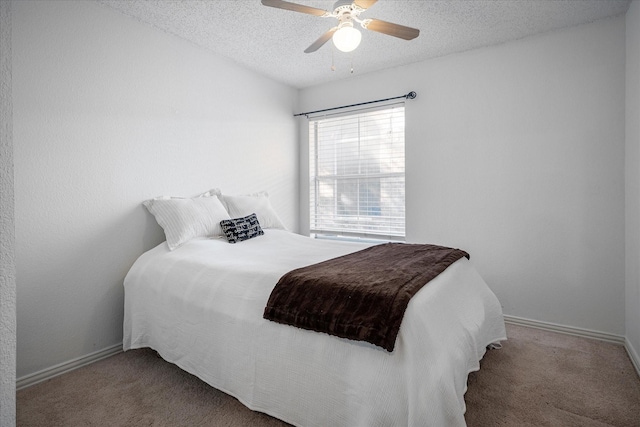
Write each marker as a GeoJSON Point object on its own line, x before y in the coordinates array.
{"type": "Point", "coordinates": [344, 35]}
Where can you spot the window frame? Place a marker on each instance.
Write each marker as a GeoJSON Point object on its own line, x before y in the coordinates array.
{"type": "Point", "coordinates": [394, 232]}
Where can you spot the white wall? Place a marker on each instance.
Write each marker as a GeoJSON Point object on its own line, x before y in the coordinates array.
{"type": "Point", "coordinates": [516, 153]}
{"type": "Point", "coordinates": [107, 113]}
{"type": "Point", "coordinates": [7, 230]}
{"type": "Point", "coordinates": [632, 180]}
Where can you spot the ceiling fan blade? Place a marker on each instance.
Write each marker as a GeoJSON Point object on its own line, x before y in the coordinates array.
{"type": "Point", "coordinates": [294, 7]}
{"type": "Point", "coordinates": [390, 29]}
{"type": "Point", "coordinates": [365, 4]}
{"type": "Point", "coordinates": [322, 40]}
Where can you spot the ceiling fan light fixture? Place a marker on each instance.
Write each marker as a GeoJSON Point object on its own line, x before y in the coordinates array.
{"type": "Point", "coordinates": [347, 38]}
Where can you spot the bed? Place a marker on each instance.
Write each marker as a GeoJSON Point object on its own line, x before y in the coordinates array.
{"type": "Point", "coordinates": [201, 308]}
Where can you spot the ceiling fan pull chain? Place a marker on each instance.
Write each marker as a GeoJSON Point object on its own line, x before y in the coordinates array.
{"type": "Point", "coordinates": [333, 66]}
{"type": "Point", "coordinates": [351, 62]}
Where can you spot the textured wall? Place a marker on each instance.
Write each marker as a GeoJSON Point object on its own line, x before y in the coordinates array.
{"type": "Point", "coordinates": [516, 154]}
{"type": "Point", "coordinates": [7, 231]}
{"type": "Point", "coordinates": [107, 113]}
{"type": "Point", "coordinates": [632, 179]}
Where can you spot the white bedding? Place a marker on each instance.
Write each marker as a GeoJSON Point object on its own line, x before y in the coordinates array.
{"type": "Point", "coordinates": [200, 306]}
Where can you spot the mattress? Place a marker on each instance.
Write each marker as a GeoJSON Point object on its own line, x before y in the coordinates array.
{"type": "Point", "coordinates": [201, 305]}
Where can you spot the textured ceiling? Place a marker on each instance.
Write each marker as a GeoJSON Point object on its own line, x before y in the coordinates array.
{"type": "Point", "coordinates": [272, 41]}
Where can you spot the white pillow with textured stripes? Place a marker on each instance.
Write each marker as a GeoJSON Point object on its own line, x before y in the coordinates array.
{"type": "Point", "coordinates": [184, 219]}
{"type": "Point", "coordinates": [258, 203]}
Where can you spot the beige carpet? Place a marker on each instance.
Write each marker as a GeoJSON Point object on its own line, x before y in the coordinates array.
{"type": "Point", "coordinates": [537, 379]}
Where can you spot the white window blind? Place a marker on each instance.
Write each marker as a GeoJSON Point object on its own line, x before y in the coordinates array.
{"type": "Point", "coordinates": [357, 174]}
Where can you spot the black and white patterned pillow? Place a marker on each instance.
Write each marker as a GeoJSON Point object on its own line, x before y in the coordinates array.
{"type": "Point", "coordinates": [239, 229]}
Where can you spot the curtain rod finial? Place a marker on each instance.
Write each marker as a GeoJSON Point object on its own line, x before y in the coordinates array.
{"type": "Point", "coordinates": [411, 95]}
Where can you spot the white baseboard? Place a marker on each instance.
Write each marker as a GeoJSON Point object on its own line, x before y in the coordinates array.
{"type": "Point", "coordinates": [569, 330]}
{"type": "Point", "coordinates": [63, 368]}
{"type": "Point", "coordinates": [633, 355]}
{"type": "Point", "coordinates": [579, 332]}
{"type": "Point", "coordinates": [45, 374]}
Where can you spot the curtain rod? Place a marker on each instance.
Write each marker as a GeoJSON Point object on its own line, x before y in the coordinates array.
{"type": "Point", "coordinates": [410, 95]}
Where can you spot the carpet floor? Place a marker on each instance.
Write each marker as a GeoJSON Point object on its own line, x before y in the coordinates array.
{"type": "Point", "coordinates": [538, 378]}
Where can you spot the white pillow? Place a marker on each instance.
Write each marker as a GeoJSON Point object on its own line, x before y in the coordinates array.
{"type": "Point", "coordinates": [184, 219]}
{"type": "Point", "coordinates": [258, 203]}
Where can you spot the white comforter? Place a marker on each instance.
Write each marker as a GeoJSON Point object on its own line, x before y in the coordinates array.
{"type": "Point", "coordinates": [200, 306]}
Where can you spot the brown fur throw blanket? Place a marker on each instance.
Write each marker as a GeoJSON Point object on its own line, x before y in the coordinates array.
{"type": "Point", "coordinates": [361, 296]}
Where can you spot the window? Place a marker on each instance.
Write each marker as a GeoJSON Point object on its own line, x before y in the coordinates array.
{"type": "Point", "coordinates": [357, 174]}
